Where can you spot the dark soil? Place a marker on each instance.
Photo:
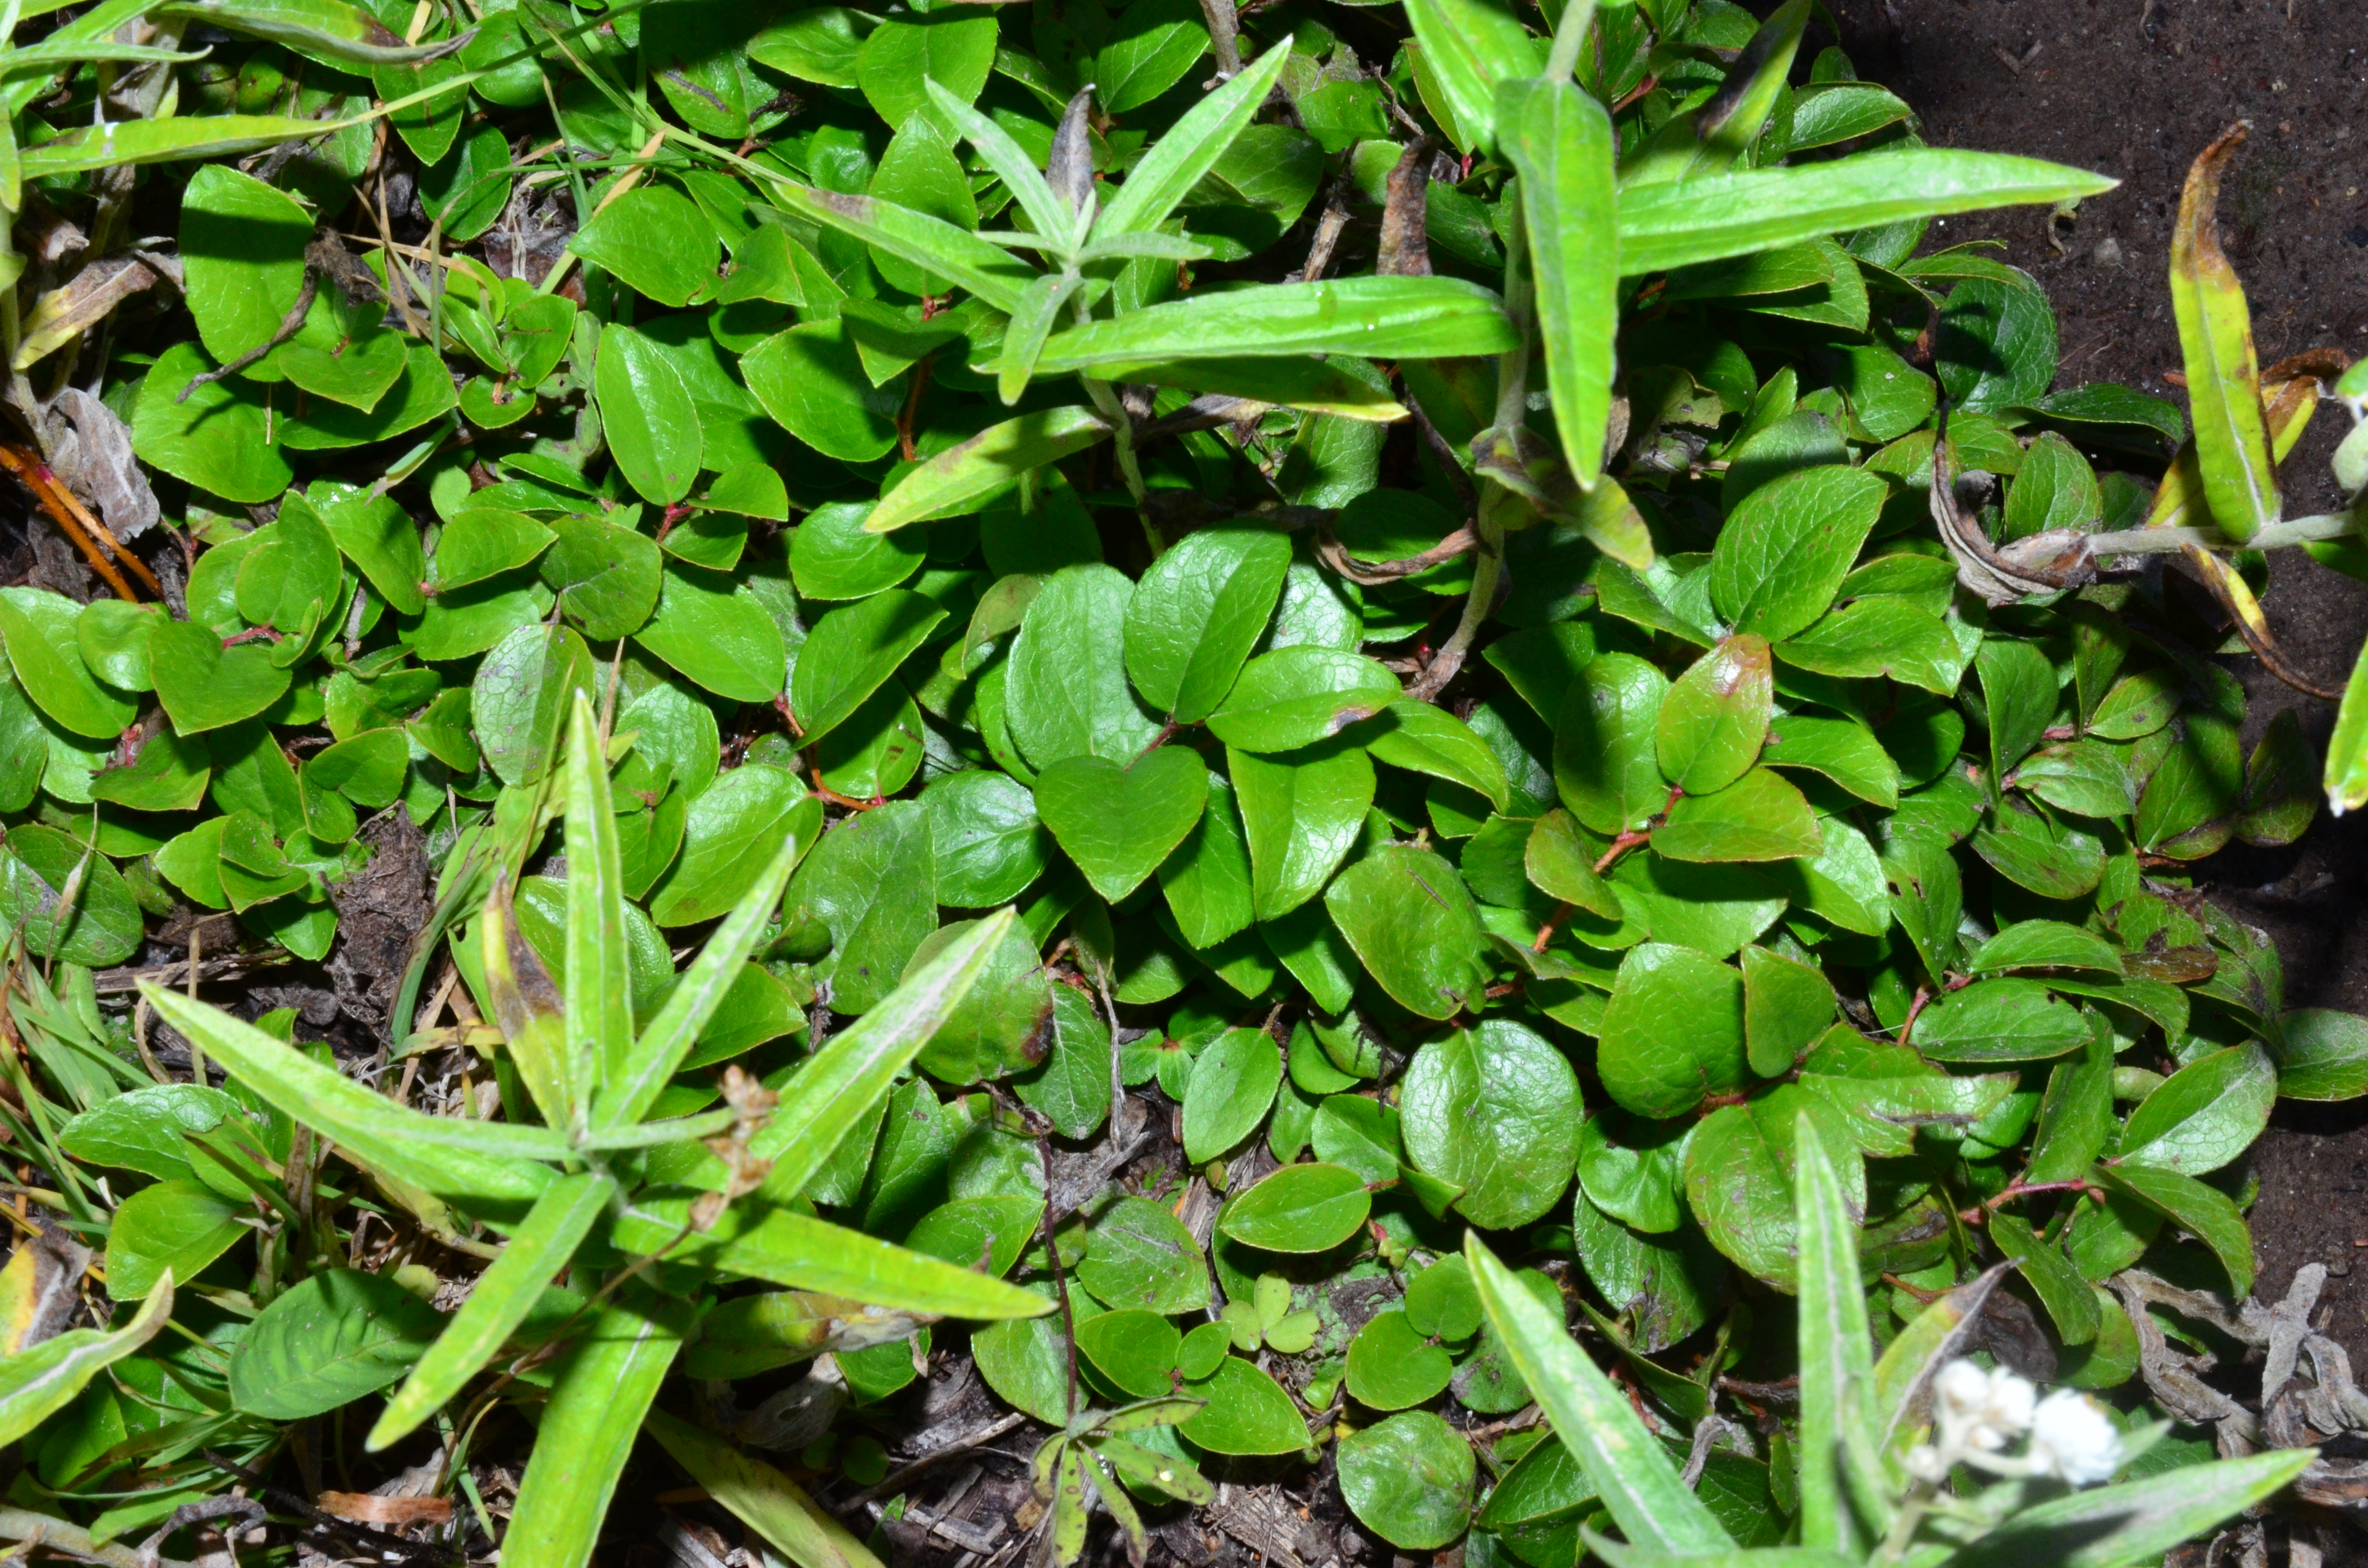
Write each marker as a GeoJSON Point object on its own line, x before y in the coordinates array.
{"type": "Point", "coordinates": [2135, 89]}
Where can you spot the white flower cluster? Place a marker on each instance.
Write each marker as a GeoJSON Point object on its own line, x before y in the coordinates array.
{"type": "Point", "coordinates": [1977, 1413]}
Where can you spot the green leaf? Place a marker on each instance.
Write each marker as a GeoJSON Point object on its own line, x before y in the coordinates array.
{"type": "Point", "coordinates": [1998, 1020]}
{"type": "Point", "coordinates": [1593, 1418]}
{"type": "Point", "coordinates": [1787, 1005]}
{"type": "Point", "coordinates": [2205, 1115]}
{"type": "Point", "coordinates": [1296, 697]}
{"type": "Point", "coordinates": [1561, 143]}
{"type": "Point", "coordinates": [1198, 613]}
{"type": "Point", "coordinates": [2322, 1054]}
{"type": "Point", "coordinates": [2204, 1213]}
{"type": "Point", "coordinates": [811, 383]}
{"type": "Point", "coordinates": [869, 884]}
{"type": "Point", "coordinates": [654, 242]}
{"type": "Point", "coordinates": [1141, 1257]}
{"type": "Point", "coordinates": [171, 1230]}
{"type": "Point", "coordinates": [733, 822]}
{"type": "Point", "coordinates": [500, 1302]}
{"type": "Point", "coordinates": [1155, 43]}
{"type": "Point", "coordinates": [1494, 1109]}
{"type": "Point", "coordinates": [1377, 317]}
{"type": "Point", "coordinates": [1716, 716]}
{"type": "Point", "coordinates": [1176, 161]}
{"type": "Point", "coordinates": [1066, 690]}
{"type": "Point", "coordinates": [1757, 817]}
{"type": "Point", "coordinates": [602, 1386]}
{"type": "Point", "coordinates": [900, 59]}
{"type": "Point", "coordinates": [1408, 917]}
{"type": "Point", "coordinates": [2070, 1300]}
{"type": "Point", "coordinates": [122, 144]}
{"type": "Point", "coordinates": [1393, 1366]}
{"type": "Point", "coordinates": [839, 1084]}
{"type": "Point", "coordinates": [647, 415]}
{"type": "Point", "coordinates": [40, 628]}
{"type": "Point", "coordinates": [1606, 742]}
{"type": "Point", "coordinates": [242, 253]}
{"type": "Point", "coordinates": [1301, 815]}
{"type": "Point", "coordinates": [41, 1379]}
{"type": "Point", "coordinates": [521, 696]}
{"type": "Point", "coordinates": [1248, 1413]}
{"type": "Point", "coordinates": [1837, 1355]}
{"type": "Point", "coordinates": [1299, 1208]}
{"type": "Point", "coordinates": [1470, 51]}
{"type": "Point", "coordinates": [1119, 824]}
{"type": "Point", "coordinates": [328, 1340]}
{"type": "Point", "coordinates": [937, 248]}
{"type": "Point", "coordinates": [1234, 1083]}
{"type": "Point", "coordinates": [1679, 224]}
{"type": "Point", "coordinates": [852, 651]}
{"type": "Point", "coordinates": [2138, 1519]}
{"type": "Point", "coordinates": [1134, 1349]}
{"type": "Point", "coordinates": [964, 476]}
{"type": "Point", "coordinates": [766, 1500]}
{"type": "Point", "coordinates": [1422, 738]}
{"type": "Point", "coordinates": [2216, 340]}
{"type": "Point", "coordinates": [1673, 1032]}
{"type": "Point", "coordinates": [488, 1161]}
{"type": "Point", "coordinates": [990, 844]}
{"type": "Point", "coordinates": [1782, 554]}
{"type": "Point", "coordinates": [721, 639]}
{"type": "Point", "coordinates": [1408, 1480]}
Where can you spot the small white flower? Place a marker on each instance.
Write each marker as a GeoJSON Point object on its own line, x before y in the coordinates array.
{"type": "Point", "coordinates": [2073, 1437]}
{"type": "Point", "coordinates": [1982, 1411]}
{"type": "Point", "coordinates": [1925, 1463]}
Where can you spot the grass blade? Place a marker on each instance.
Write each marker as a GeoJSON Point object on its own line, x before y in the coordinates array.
{"type": "Point", "coordinates": [1561, 140]}
{"type": "Point", "coordinates": [766, 1501]}
{"type": "Point", "coordinates": [1190, 149]}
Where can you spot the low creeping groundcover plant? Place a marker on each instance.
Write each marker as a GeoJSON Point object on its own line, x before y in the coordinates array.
{"type": "Point", "coordinates": [811, 732]}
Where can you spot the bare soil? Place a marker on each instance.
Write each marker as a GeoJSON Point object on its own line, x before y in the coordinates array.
{"type": "Point", "coordinates": [2135, 89]}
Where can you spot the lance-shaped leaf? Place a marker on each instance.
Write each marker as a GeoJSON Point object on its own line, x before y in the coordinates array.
{"type": "Point", "coordinates": [1031, 324]}
{"type": "Point", "coordinates": [766, 1501]}
{"type": "Point", "coordinates": [329, 31]}
{"type": "Point", "coordinates": [807, 1254]}
{"type": "Point", "coordinates": [1052, 216]}
{"type": "Point", "coordinates": [1631, 1472]}
{"type": "Point", "coordinates": [489, 1161]}
{"type": "Point", "coordinates": [1707, 220]}
{"type": "Point", "coordinates": [603, 1386]}
{"type": "Point", "coordinates": [499, 1301]}
{"type": "Point", "coordinates": [1469, 50]}
{"type": "Point", "coordinates": [2347, 749]}
{"type": "Point", "coordinates": [527, 1009]}
{"type": "Point", "coordinates": [35, 1384]}
{"type": "Point", "coordinates": [698, 994]}
{"type": "Point", "coordinates": [1837, 1351]}
{"type": "Point", "coordinates": [599, 981]}
{"type": "Point", "coordinates": [946, 250]}
{"type": "Point", "coordinates": [2138, 1520]}
{"type": "Point", "coordinates": [2215, 339]}
{"type": "Point", "coordinates": [962, 476]}
{"type": "Point", "coordinates": [1380, 318]}
{"type": "Point", "coordinates": [1707, 139]}
{"type": "Point", "coordinates": [1190, 149]}
{"type": "Point", "coordinates": [839, 1084]}
{"type": "Point", "coordinates": [129, 142]}
{"type": "Point", "coordinates": [1561, 140]}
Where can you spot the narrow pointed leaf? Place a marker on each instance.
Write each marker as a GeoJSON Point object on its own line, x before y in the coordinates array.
{"type": "Point", "coordinates": [841, 1083]}
{"type": "Point", "coordinates": [697, 995]}
{"type": "Point", "coordinates": [960, 478]}
{"type": "Point", "coordinates": [164, 141]}
{"type": "Point", "coordinates": [1836, 1353]}
{"type": "Point", "coordinates": [2347, 749]}
{"type": "Point", "coordinates": [1380, 318]}
{"type": "Point", "coordinates": [1048, 213]}
{"type": "Point", "coordinates": [37, 1384]}
{"type": "Point", "coordinates": [1593, 1418]}
{"type": "Point", "coordinates": [766, 1501]}
{"type": "Point", "coordinates": [1708, 140]}
{"type": "Point", "coordinates": [1561, 140]}
{"type": "Point", "coordinates": [2216, 338]}
{"type": "Point", "coordinates": [600, 983]}
{"type": "Point", "coordinates": [1031, 324]}
{"type": "Point", "coordinates": [1190, 149]}
{"type": "Point", "coordinates": [499, 1301]}
{"type": "Point", "coordinates": [946, 250]}
{"type": "Point", "coordinates": [807, 1254]}
{"type": "Point", "coordinates": [2138, 1520]}
{"type": "Point", "coordinates": [1470, 48]}
{"type": "Point", "coordinates": [1706, 220]}
{"type": "Point", "coordinates": [603, 1386]}
{"type": "Point", "coordinates": [452, 1157]}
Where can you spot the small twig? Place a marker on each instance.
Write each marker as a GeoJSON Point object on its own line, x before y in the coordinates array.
{"type": "Point", "coordinates": [72, 1540]}
{"type": "Point", "coordinates": [897, 1478]}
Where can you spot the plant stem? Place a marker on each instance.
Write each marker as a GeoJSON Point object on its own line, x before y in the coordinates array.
{"type": "Point", "coordinates": [2277, 536]}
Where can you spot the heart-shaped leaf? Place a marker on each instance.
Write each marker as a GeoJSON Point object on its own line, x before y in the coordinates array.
{"type": "Point", "coordinates": [1118, 824]}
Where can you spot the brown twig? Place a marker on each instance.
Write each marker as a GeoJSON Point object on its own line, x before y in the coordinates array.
{"type": "Point", "coordinates": [71, 519]}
